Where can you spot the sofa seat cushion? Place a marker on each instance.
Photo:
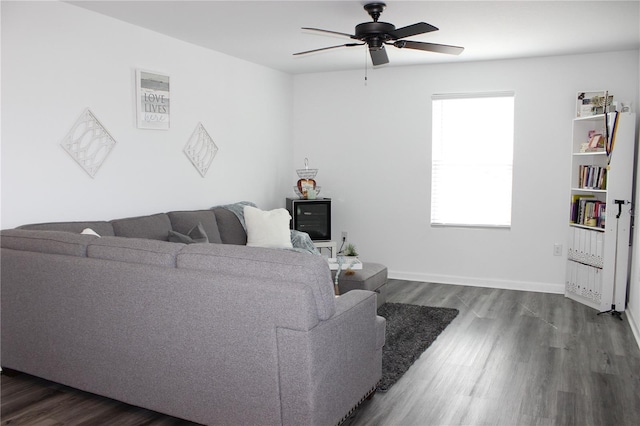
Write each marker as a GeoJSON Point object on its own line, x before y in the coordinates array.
{"type": "Point", "coordinates": [54, 242]}
{"type": "Point", "coordinates": [152, 227]}
{"type": "Point", "coordinates": [135, 250]}
{"type": "Point", "coordinates": [184, 221]}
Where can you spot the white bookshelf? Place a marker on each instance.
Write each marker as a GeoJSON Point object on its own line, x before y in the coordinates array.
{"type": "Point", "coordinates": [598, 255]}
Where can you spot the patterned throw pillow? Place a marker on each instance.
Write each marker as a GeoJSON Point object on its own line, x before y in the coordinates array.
{"type": "Point", "coordinates": [195, 235]}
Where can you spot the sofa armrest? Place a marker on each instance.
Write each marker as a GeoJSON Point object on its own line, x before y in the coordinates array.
{"type": "Point", "coordinates": [348, 300]}
{"type": "Point", "coordinates": [326, 372]}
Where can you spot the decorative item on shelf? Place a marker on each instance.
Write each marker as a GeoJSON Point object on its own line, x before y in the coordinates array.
{"type": "Point", "coordinates": [306, 187]}
{"type": "Point", "coordinates": [593, 103]}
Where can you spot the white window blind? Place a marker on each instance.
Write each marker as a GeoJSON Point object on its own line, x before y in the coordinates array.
{"type": "Point", "coordinates": [472, 159]}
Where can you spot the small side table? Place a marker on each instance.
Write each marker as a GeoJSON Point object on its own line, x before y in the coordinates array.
{"type": "Point", "coordinates": [331, 245]}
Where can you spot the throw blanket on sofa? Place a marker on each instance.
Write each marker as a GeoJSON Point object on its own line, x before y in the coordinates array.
{"type": "Point", "coordinates": [300, 240]}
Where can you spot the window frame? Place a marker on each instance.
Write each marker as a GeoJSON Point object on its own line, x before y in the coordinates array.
{"type": "Point", "coordinates": [465, 223]}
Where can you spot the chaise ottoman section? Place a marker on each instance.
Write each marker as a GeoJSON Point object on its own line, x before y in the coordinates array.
{"type": "Point", "coordinates": [372, 277]}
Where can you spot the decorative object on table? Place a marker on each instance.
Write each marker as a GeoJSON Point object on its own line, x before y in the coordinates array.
{"type": "Point", "coordinates": [411, 329]}
{"type": "Point", "coordinates": [152, 100]}
{"type": "Point", "coordinates": [338, 264]}
{"type": "Point", "coordinates": [350, 257]}
{"type": "Point", "coordinates": [340, 261]}
{"type": "Point", "coordinates": [306, 187]}
{"type": "Point", "coordinates": [336, 287]}
{"type": "Point", "coordinates": [88, 142]}
{"type": "Point", "coordinates": [201, 149]}
{"type": "Point", "coordinates": [350, 250]}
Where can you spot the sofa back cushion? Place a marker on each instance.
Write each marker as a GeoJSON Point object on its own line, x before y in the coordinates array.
{"type": "Point", "coordinates": [184, 221]}
{"type": "Point", "coordinates": [231, 230]}
{"type": "Point", "coordinates": [135, 250]}
{"type": "Point", "coordinates": [53, 242]}
{"type": "Point", "coordinates": [302, 270]}
{"type": "Point", "coordinates": [104, 229]}
{"type": "Point", "coordinates": [152, 227]}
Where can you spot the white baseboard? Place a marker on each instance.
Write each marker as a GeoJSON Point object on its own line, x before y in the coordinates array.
{"type": "Point", "coordinates": [480, 282]}
{"type": "Point", "coordinates": [635, 327]}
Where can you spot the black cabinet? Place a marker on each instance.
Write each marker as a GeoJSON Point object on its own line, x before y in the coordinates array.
{"type": "Point", "coordinates": [311, 216]}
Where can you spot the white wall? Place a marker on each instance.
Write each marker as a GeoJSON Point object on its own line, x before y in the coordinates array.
{"type": "Point", "coordinates": [371, 143]}
{"type": "Point", "coordinates": [633, 301]}
{"type": "Point", "coordinates": [372, 147]}
{"type": "Point", "coordinates": [58, 59]}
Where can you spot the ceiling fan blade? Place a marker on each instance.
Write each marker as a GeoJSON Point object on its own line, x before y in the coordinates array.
{"type": "Point", "coordinates": [379, 55]}
{"type": "Point", "coordinates": [411, 30]}
{"type": "Point", "coordinates": [327, 31]}
{"type": "Point", "coordinates": [429, 47]}
{"type": "Point", "coordinates": [327, 48]}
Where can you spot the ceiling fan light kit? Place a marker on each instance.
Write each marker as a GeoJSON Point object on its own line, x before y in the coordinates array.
{"type": "Point", "coordinates": [377, 34]}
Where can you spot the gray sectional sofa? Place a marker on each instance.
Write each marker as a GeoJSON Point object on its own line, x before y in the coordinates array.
{"type": "Point", "coordinates": [216, 333]}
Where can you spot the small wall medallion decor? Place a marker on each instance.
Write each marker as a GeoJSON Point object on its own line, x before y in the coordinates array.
{"type": "Point", "coordinates": [201, 149]}
{"type": "Point", "coordinates": [152, 100]}
{"type": "Point", "coordinates": [88, 142]}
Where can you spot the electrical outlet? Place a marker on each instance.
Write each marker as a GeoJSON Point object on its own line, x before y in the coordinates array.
{"type": "Point", "coordinates": [557, 249]}
{"type": "Point", "coordinates": [344, 235]}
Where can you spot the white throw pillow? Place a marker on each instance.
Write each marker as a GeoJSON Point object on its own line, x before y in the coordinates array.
{"type": "Point", "coordinates": [267, 228]}
{"type": "Point", "coordinates": [89, 231]}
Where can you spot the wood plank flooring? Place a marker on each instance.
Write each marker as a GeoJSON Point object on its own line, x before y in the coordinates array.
{"type": "Point", "coordinates": [509, 358]}
{"type": "Point", "coordinates": [513, 358]}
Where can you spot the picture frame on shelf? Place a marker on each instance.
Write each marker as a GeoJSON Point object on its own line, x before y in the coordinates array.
{"type": "Point", "coordinates": [592, 103]}
{"type": "Point", "coordinates": [596, 142]}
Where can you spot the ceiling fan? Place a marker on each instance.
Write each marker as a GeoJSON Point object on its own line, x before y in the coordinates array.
{"type": "Point", "coordinates": [378, 34]}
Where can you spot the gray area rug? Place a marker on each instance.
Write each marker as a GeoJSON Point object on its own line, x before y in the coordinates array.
{"type": "Point", "coordinates": [410, 331]}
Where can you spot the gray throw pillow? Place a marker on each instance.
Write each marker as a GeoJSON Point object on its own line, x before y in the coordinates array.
{"type": "Point", "coordinates": [195, 235]}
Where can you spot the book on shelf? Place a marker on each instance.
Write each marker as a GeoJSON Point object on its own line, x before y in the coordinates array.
{"type": "Point", "coordinates": [588, 211]}
{"type": "Point", "coordinates": [592, 177]}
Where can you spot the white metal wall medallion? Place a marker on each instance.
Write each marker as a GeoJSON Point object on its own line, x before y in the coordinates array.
{"type": "Point", "coordinates": [88, 142]}
{"type": "Point", "coordinates": [201, 149]}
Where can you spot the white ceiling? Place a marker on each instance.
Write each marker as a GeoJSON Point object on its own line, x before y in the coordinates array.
{"type": "Point", "coordinates": [268, 32]}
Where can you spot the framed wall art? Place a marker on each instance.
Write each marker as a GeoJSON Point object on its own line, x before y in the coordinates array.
{"type": "Point", "coordinates": [152, 100]}
{"type": "Point", "coordinates": [200, 149]}
{"type": "Point", "coordinates": [88, 142]}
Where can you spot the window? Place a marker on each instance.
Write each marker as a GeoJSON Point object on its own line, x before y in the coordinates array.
{"type": "Point", "coordinates": [472, 159]}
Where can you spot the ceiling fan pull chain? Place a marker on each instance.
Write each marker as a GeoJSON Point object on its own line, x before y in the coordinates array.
{"type": "Point", "coordinates": [366, 62]}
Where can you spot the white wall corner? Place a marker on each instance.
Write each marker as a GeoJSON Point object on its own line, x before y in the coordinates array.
{"type": "Point", "coordinates": [635, 327]}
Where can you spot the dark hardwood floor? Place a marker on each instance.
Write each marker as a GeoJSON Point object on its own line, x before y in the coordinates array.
{"type": "Point", "coordinates": [509, 358]}
{"type": "Point", "coordinates": [513, 358]}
